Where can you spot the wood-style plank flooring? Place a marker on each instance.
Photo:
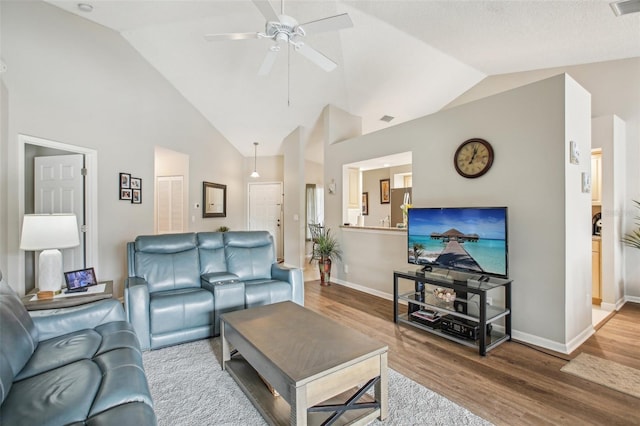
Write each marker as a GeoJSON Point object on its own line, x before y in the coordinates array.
{"type": "Point", "coordinates": [514, 384]}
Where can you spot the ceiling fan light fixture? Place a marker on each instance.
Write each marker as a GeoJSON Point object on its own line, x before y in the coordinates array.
{"type": "Point", "coordinates": [255, 173]}
{"type": "Point", "coordinates": [625, 7]}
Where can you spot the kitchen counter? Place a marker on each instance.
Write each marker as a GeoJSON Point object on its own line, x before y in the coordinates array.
{"type": "Point", "coordinates": [373, 228]}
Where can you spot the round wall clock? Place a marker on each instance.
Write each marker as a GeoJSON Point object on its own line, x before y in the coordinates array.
{"type": "Point", "coordinates": [473, 158]}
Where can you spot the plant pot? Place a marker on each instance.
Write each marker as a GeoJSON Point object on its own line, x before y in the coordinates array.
{"type": "Point", "coordinates": [325, 271]}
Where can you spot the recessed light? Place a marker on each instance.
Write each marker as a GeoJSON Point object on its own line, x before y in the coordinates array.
{"type": "Point", "coordinates": [85, 7]}
{"type": "Point", "coordinates": [386, 118]}
{"type": "Point", "coordinates": [625, 7]}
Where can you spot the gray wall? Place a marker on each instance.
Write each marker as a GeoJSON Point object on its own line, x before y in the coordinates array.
{"type": "Point", "coordinates": [615, 89]}
{"type": "Point", "coordinates": [549, 217]}
{"type": "Point", "coordinates": [78, 83]}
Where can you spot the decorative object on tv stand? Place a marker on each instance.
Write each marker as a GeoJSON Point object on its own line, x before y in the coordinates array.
{"type": "Point", "coordinates": [326, 250]}
{"type": "Point", "coordinates": [49, 232]}
{"type": "Point", "coordinates": [255, 173]}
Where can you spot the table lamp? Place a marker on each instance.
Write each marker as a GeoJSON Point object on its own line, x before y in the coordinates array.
{"type": "Point", "coordinates": [49, 232]}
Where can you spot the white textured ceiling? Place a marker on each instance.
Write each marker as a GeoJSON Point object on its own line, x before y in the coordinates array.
{"type": "Point", "coordinates": [404, 58]}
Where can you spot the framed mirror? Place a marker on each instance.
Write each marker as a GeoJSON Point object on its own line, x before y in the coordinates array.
{"type": "Point", "coordinates": [214, 200]}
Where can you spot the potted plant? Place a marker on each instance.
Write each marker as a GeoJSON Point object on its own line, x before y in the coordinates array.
{"type": "Point", "coordinates": [327, 249]}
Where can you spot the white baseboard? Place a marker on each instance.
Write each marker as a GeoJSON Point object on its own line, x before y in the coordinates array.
{"type": "Point", "coordinates": [363, 289]}
{"type": "Point", "coordinates": [632, 299]}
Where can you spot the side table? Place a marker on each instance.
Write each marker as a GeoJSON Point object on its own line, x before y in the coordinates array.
{"type": "Point", "coordinates": [66, 302]}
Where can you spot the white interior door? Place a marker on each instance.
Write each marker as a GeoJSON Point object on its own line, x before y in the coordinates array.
{"type": "Point", "coordinates": [265, 211]}
{"type": "Point", "coordinates": [59, 188]}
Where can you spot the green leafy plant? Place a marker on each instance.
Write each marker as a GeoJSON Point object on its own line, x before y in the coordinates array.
{"type": "Point", "coordinates": [632, 239]}
{"type": "Point", "coordinates": [222, 229]}
{"type": "Point", "coordinates": [327, 246]}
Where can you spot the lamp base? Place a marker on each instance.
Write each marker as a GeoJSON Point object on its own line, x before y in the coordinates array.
{"type": "Point", "coordinates": [50, 271]}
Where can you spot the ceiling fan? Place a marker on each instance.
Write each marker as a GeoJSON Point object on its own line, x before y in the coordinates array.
{"type": "Point", "coordinates": [285, 29]}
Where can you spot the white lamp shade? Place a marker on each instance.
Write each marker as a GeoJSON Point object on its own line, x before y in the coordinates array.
{"type": "Point", "coordinates": [49, 231]}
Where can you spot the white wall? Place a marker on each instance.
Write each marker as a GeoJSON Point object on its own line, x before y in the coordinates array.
{"type": "Point", "coordinates": [527, 127]}
{"type": "Point", "coordinates": [615, 89]}
{"type": "Point", "coordinates": [72, 81]}
{"type": "Point", "coordinates": [609, 136]}
{"type": "Point", "coordinates": [294, 196]}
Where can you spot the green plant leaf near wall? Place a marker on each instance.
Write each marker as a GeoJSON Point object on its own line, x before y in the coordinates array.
{"type": "Point", "coordinates": [632, 239]}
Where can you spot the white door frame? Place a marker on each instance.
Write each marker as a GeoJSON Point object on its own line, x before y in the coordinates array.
{"type": "Point", "coordinates": [90, 197]}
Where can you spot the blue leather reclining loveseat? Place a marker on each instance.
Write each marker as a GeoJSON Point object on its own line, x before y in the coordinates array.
{"type": "Point", "coordinates": [180, 284]}
{"type": "Point", "coordinates": [73, 366]}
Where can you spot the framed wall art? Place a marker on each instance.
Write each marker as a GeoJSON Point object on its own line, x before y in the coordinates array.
{"type": "Point", "coordinates": [365, 203]}
{"type": "Point", "coordinates": [385, 191]}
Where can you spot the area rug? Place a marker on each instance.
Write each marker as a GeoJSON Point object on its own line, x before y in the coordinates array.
{"type": "Point", "coordinates": [604, 372]}
{"type": "Point", "coordinates": [189, 388]}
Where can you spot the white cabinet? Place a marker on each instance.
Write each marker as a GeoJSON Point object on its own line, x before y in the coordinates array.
{"type": "Point", "coordinates": [596, 178]}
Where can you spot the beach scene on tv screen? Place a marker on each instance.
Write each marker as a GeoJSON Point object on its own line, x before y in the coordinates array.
{"type": "Point", "coordinates": [462, 238]}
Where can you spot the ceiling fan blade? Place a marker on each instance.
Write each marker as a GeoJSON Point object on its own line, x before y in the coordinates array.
{"type": "Point", "coordinates": [332, 23]}
{"type": "Point", "coordinates": [268, 62]}
{"type": "Point", "coordinates": [316, 57]}
{"type": "Point", "coordinates": [230, 36]}
{"type": "Point", "coordinates": [267, 10]}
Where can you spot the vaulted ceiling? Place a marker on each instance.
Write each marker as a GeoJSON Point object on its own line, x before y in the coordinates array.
{"type": "Point", "coordinates": [402, 58]}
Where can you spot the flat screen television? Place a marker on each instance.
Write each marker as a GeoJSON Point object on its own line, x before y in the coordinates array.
{"type": "Point", "coordinates": [467, 239]}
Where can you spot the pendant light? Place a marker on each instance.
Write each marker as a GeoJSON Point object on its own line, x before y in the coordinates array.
{"type": "Point", "coordinates": [255, 173]}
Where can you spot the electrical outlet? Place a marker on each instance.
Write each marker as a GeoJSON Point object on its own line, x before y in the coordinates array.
{"type": "Point", "coordinates": [346, 269]}
{"type": "Point", "coordinates": [489, 300]}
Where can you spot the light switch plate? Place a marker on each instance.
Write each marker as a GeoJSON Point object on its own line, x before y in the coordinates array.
{"type": "Point", "coordinates": [574, 153]}
{"type": "Point", "coordinates": [586, 182]}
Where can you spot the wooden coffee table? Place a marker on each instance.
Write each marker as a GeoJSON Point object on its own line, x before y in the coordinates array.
{"type": "Point", "coordinates": [320, 368]}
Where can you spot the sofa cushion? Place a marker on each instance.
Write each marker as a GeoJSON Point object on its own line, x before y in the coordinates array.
{"type": "Point", "coordinates": [266, 292]}
{"type": "Point", "coordinates": [249, 254]}
{"type": "Point", "coordinates": [83, 344]}
{"type": "Point", "coordinates": [169, 271]}
{"type": "Point", "coordinates": [166, 243]}
{"type": "Point", "coordinates": [211, 251]}
{"type": "Point", "coordinates": [78, 390]}
{"type": "Point", "coordinates": [57, 397]}
{"type": "Point", "coordinates": [177, 310]}
{"type": "Point", "coordinates": [18, 337]}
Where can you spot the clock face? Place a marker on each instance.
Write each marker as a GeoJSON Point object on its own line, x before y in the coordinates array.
{"type": "Point", "coordinates": [473, 158]}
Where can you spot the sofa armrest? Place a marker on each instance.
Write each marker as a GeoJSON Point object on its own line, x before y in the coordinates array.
{"type": "Point", "coordinates": [56, 322]}
{"type": "Point", "coordinates": [136, 304]}
{"type": "Point", "coordinates": [294, 277]}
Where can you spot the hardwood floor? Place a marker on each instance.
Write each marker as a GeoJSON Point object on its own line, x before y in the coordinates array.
{"type": "Point", "coordinates": [514, 384]}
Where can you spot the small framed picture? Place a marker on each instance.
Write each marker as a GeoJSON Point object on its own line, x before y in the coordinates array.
{"type": "Point", "coordinates": [136, 183]}
{"type": "Point", "coordinates": [125, 194]}
{"type": "Point", "coordinates": [136, 196]}
{"type": "Point", "coordinates": [125, 180]}
{"type": "Point", "coordinates": [385, 191]}
{"type": "Point", "coordinates": [365, 203]}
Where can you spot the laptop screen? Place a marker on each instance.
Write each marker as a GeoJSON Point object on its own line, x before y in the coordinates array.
{"type": "Point", "coordinates": [80, 278]}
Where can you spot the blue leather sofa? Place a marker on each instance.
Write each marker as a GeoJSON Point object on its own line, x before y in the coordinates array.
{"type": "Point", "coordinates": [180, 284]}
{"type": "Point", "coordinates": [73, 366]}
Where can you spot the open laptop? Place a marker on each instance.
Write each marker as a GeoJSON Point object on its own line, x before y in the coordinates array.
{"type": "Point", "coordinates": [80, 280]}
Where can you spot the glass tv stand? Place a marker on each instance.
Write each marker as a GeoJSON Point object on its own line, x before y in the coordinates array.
{"type": "Point", "coordinates": [467, 320]}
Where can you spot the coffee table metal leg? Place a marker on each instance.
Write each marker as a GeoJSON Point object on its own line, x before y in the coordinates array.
{"type": "Point", "coordinates": [226, 354]}
{"type": "Point", "coordinates": [299, 406]}
{"type": "Point", "coordinates": [382, 387]}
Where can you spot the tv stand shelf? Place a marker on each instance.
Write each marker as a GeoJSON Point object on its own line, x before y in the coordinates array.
{"type": "Point", "coordinates": [470, 306]}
